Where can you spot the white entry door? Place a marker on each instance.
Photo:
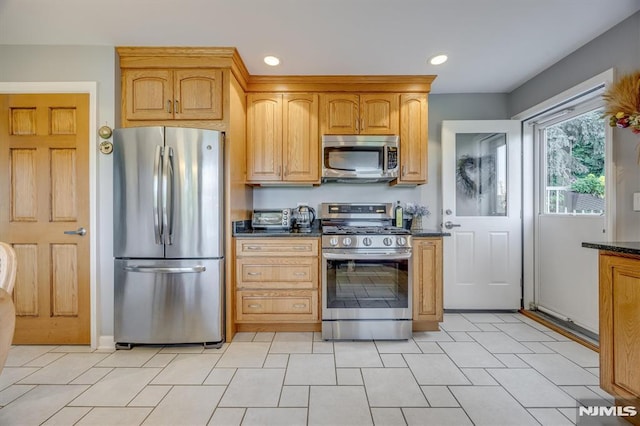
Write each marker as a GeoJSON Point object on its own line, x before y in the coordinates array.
{"type": "Point", "coordinates": [481, 207]}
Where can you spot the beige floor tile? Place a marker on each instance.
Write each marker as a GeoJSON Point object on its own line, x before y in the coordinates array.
{"type": "Point", "coordinates": [160, 360]}
{"type": "Point", "coordinates": [23, 354]}
{"type": "Point", "coordinates": [479, 376]}
{"type": "Point", "coordinates": [397, 347]}
{"type": "Point", "coordinates": [524, 333]}
{"type": "Point", "coordinates": [435, 369]}
{"type": "Point", "coordinates": [195, 348]}
{"type": "Point", "coordinates": [264, 336]}
{"type": "Point", "coordinates": [349, 377]}
{"type": "Point", "coordinates": [310, 369]}
{"type": "Point", "coordinates": [439, 396]}
{"type": "Point", "coordinates": [499, 342]}
{"type": "Point", "coordinates": [243, 337]}
{"type": "Point", "coordinates": [430, 348]}
{"type": "Point", "coordinates": [292, 343]}
{"type": "Point", "coordinates": [577, 353]}
{"type": "Point", "coordinates": [481, 317]}
{"type": "Point", "coordinates": [339, 405]}
{"type": "Point", "coordinates": [254, 388]}
{"type": "Point", "coordinates": [186, 405]}
{"type": "Point", "coordinates": [136, 357]}
{"type": "Point", "coordinates": [456, 322]}
{"type": "Point", "coordinates": [275, 417]}
{"type": "Point", "coordinates": [91, 376]}
{"type": "Point", "coordinates": [220, 376]}
{"type": "Point", "coordinates": [14, 392]}
{"type": "Point", "coordinates": [550, 417]}
{"type": "Point", "coordinates": [392, 387]}
{"type": "Point", "coordinates": [117, 416]}
{"type": "Point", "coordinates": [559, 369]}
{"type": "Point", "coordinates": [469, 355]}
{"type": "Point", "coordinates": [70, 349]}
{"type": "Point", "coordinates": [511, 361]}
{"type": "Point", "coordinates": [227, 417]}
{"type": "Point", "coordinates": [491, 406]}
{"type": "Point", "coordinates": [150, 396]}
{"type": "Point", "coordinates": [356, 354]}
{"type": "Point", "coordinates": [460, 336]}
{"type": "Point", "coordinates": [294, 396]}
{"type": "Point", "coordinates": [437, 416]}
{"type": "Point", "coordinates": [37, 405]}
{"type": "Point", "coordinates": [45, 359]}
{"type": "Point", "coordinates": [12, 375]}
{"type": "Point", "coordinates": [393, 360]}
{"type": "Point", "coordinates": [388, 417]}
{"type": "Point", "coordinates": [531, 388]}
{"type": "Point", "coordinates": [187, 369]}
{"type": "Point", "coordinates": [322, 347]}
{"type": "Point", "coordinates": [431, 336]}
{"type": "Point", "coordinates": [244, 354]}
{"type": "Point", "coordinates": [64, 369]}
{"type": "Point", "coordinates": [117, 388]}
{"type": "Point", "coordinates": [276, 361]}
{"type": "Point", "coordinates": [67, 416]}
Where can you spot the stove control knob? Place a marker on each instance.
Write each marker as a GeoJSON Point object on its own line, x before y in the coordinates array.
{"type": "Point", "coordinates": [401, 241]}
{"type": "Point", "coordinates": [367, 241]}
{"type": "Point", "coordinates": [346, 241]}
{"type": "Point", "coordinates": [333, 241]}
{"type": "Point", "coordinates": [387, 241]}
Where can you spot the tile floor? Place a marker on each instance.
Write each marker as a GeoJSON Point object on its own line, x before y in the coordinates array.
{"type": "Point", "coordinates": [480, 369]}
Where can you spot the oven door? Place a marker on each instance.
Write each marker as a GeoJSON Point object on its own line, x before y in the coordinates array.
{"type": "Point", "coordinates": [366, 285]}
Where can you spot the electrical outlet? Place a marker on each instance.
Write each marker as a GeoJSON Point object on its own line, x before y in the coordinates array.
{"type": "Point", "coordinates": [636, 201]}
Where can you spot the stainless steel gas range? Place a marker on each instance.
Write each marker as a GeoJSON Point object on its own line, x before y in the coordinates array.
{"type": "Point", "coordinates": [366, 273]}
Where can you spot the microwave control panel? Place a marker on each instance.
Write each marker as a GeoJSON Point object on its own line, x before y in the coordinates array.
{"type": "Point", "coordinates": [392, 158]}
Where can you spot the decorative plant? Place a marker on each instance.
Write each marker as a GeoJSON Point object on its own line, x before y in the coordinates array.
{"type": "Point", "coordinates": [623, 102]}
{"type": "Point", "coordinates": [417, 210]}
{"type": "Point", "coordinates": [590, 184]}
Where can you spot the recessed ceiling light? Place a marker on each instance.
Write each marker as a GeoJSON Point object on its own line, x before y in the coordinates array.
{"type": "Point", "coordinates": [438, 59]}
{"type": "Point", "coordinates": [271, 60]}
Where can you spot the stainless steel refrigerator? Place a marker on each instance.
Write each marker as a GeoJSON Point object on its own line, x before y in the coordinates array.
{"type": "Point", "coordinates": [168, 236]}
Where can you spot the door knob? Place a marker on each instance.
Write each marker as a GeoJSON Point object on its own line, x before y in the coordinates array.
{"type": "Point", "coordinates": [450, 225]}
{"type": "Point", "coordinates": [79, 231]}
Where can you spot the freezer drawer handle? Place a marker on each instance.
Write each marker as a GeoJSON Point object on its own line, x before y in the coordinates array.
{"type": "Point", "coordinates": [161, 270]}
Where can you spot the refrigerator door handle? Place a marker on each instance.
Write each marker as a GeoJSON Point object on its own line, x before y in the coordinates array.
{"type": "Point", "coordinates": [167, 197]}
{"type": "Point", "coordinates": [157, 170]}
{"type": "Point", "coordinates": [164, 270]}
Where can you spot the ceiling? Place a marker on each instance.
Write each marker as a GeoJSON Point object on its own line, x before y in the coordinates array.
{"type": "Point", "coordinates": [493, 45]}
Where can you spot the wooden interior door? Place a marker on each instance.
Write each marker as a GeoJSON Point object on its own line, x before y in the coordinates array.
{"type": "Point", "coordinates": [44, 188]}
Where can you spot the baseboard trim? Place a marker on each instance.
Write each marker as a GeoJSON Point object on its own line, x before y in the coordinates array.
{"type": "Point", "coordinates": [106, 343]}
{"type": "Point", "coordinates": [559, 330]}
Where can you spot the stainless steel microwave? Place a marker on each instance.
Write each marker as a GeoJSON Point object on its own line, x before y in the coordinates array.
{"type": "Point", "coordinates": [359, 158]}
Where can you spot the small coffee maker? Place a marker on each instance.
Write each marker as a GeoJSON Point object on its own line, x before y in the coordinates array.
{"type": "Point", "coordinates": [304, 216]}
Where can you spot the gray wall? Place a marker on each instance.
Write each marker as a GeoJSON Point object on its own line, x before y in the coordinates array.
{"type": "Point", "coordinates": [618, 48]}
{"type": "Point", "coordinates": [79, 63]}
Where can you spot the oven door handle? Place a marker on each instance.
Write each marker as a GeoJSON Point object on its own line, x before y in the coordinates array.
{"type": "Point", "coordinates": [366, 256]}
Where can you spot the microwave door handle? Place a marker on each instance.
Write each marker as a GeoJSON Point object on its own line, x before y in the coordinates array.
{"type": "Point", "coordinates": [385, 160]}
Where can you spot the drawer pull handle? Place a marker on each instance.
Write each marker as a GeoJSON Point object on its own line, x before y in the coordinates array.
{"type": "Point", "coordinates": [254, 273]}
{"type": "Point", "coordinates": [298, 248]}
{"type": "Point", "coordinates": [300, 274]}
{"type": "Point", "coordinates": [299, 305]}
{"type": "Point", "coordinates": [254, 248]}
{"type": "Point", "coordinates": [253, 305]}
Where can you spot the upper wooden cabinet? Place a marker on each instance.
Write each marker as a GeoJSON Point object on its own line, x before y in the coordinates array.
{"type": "Point", "coordinates": [413, 139]}
{"type": "Point", "coordinates": [180, 94]}
{"type": "Point", "coordinates": [282, 138]}
{"type": "Point", "coordinates": [365, 114]}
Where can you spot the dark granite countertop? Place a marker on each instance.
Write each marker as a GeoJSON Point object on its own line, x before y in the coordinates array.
{"type": "Point", "coordinates": [626, 247]}
{"type": "Point", "coordinates": [243, 229]}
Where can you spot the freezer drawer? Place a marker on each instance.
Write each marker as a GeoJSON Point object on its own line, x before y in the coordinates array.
{"type": "Point", "coordinates": [168, 301]}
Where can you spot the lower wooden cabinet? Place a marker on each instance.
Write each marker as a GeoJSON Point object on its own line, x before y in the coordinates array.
{"type": "Point", "coordinates": [277, 280]}
{"type": "Point", "coordinates": [620, 325]}
{"type": "Point", "coordinates": [427, 283]}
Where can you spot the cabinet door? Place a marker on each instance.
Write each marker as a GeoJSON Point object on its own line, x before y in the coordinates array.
{"type": "Point", "coordinates": [264, 137]}
{"type": "Point", "coordinates": [148, 94]}
{"type": "Point", "coordinates": [198, 94]}
{"type": "Point", "coordinates": [413, 139]}
{"type": "Point", "coordinates": [340, 114]}
{"type": "Point", "coordinates": [300, 145]}
{"type": "Point", "coordinates": [427, 279]}
{"type": "Point", "coordinates": [379, 114]}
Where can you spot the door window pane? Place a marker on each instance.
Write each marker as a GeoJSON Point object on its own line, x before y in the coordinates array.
{"type": "Point", "coordinates": [574, 164]}
{"type": "Point", "coordinates": [481, 174]}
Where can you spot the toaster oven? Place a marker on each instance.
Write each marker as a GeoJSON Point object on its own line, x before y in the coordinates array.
{"type": "Point", "coordinates": [272, 219]}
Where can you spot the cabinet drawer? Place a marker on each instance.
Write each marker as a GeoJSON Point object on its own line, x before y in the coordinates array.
{"type": "Point", "coordinates": [276, 247]}
{"type": "Point", "coordinates": [277, 273]}
{"type": "Point", "coordinates": [297, 305]}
